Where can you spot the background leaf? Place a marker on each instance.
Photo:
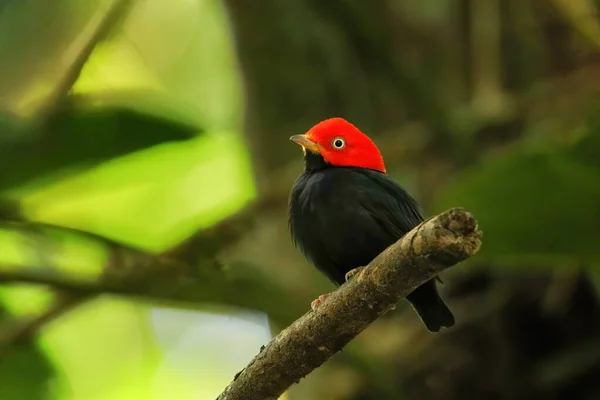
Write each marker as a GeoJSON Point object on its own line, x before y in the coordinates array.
{"type": "Point", "coordinates": [81, 134]}
{"type": "Point", "coordinates": [25, 369]}
{"type": "Point", "coordinates": [531, 190]}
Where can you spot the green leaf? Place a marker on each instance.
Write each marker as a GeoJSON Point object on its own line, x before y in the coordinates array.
{"type": "Point", "coordinates": [25, 370]}
{"type": "Point", "coordinates": [25, 373]}
{"type": "Point", "coordinates": [81, 134]}
{"type": "Point", "coordinates": [534, 205]}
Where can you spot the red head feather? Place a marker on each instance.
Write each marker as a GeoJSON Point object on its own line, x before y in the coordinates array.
{"type": "Point", "coordinates": [343, 145]}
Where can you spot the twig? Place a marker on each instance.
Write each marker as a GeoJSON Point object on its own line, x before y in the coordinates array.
{"type": "Point", "coordinates": [24, 329]}
{"type": "Point", "coordinates": [419, 256]}
{"type": "Point", "coordinates": [180, 284]}
{"type": "Point", "coordinates": [117, 12]}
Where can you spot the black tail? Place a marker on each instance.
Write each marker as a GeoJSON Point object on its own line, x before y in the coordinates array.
{"type": "Point", "coordinates": [431, 308]}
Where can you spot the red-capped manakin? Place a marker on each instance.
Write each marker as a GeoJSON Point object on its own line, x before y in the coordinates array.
{"type": "Point", "coordinates": [344, 210]}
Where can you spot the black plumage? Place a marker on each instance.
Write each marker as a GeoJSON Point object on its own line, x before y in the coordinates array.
{"type": "Point", "coordinates": [343, 217]}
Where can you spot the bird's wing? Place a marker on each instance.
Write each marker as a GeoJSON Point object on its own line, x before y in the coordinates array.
{"type": "Point", "coordinates": [402, 214]}
{"type": "Point", "coordinates": [390, 203]}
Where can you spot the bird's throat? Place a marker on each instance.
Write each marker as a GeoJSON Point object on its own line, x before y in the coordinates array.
{"type": "Point", "coordinates": [314, 161]}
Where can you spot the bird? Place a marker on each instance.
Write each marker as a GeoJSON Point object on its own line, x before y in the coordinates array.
{"type": "Point", "coordinates": [344, 210]}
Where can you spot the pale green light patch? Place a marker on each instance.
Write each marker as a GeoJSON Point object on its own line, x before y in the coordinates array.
{"type": "Point", "coordinates": [116, 339]}
{"type": "Point", "coordinates": [183, 186]}
{"type": "Point", "coordinates": [115, 65]}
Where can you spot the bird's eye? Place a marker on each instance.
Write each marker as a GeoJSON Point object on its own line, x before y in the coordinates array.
{"type": "Point", "coordinates": [338, 143]}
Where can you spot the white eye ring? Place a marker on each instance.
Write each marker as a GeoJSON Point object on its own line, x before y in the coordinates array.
{"type": "Point", "coordinates": [338, 143]}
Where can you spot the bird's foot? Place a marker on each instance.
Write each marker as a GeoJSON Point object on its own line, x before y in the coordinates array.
{"type": "Point", "coordinates": [350, 274]}
{"type": "Point", "coordinates": [317, 302]}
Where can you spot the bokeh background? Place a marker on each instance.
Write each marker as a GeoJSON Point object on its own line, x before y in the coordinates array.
{"type": "Point", "coordinates": [145, 167]}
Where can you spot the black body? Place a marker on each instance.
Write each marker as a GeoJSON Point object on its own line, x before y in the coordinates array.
{"type": "Point", "coordinates": [341, 218]}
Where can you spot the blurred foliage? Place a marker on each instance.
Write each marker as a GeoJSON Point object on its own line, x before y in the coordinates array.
{"type": "Point", "coordinates": [127, 154]}
{"type": "Point", "coordinates": [82, 135]}
{"type": "Point", "coordinates": [580, 14]}
{"type": "Point", "coordinates": [550, 191]}
{"type": "Point", "coordinates": [25, 373]}
{"type": "Point", "coordinates": [25, 369]}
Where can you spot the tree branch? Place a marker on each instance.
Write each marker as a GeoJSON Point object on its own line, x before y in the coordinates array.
{"type": "Point", "coordinates": [99, 30]}
{"type": "Point", "coordinates": [420, 255]}
{"type": "Point", "coordinates": [24, 329]}
{"type": "Point", "coordinates": [168, 281]}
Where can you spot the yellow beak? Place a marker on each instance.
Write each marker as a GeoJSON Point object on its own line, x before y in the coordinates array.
{"type": "Point", "coordinates": [305, 142]}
